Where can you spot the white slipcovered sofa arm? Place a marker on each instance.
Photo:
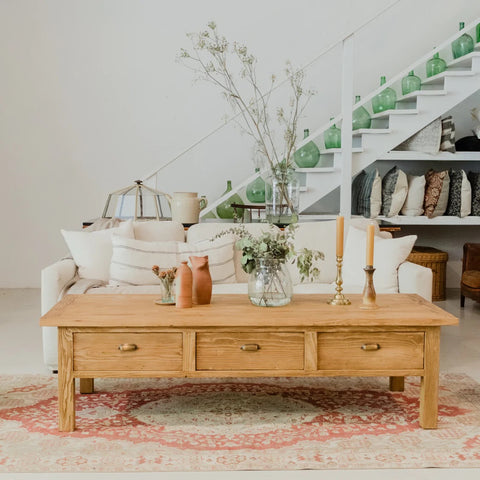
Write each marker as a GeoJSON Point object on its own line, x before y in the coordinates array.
{"type": "Point", "coordinates": [55, 279]}
{"type": "Point", "coordinates": [413, 278]}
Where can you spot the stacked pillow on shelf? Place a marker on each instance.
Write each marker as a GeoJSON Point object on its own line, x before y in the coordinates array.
{"type": "Point", "coordinates": [449, 192]}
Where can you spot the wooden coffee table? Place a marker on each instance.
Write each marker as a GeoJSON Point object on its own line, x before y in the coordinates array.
{"type": "Point", "coordinates": [131, 336]}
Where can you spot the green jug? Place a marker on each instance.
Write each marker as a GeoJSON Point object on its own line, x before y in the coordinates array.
{"type": "Point", "coordinates": [411, 83]}
{"type": "Point", "coordinates": [385, 100]}
{"type": "Point", "coordinates": [360, 117]}
{"type": "Point", "coordinates": [435, 65]}
{"type": "Point", "coordinates": [308, 155]}
{"type": "Point", "coordinates": [463, 44]}
{"type": "Point", "coordinates": [333, 137]}
{"type": "Point", "coordinates": [256, 190]}
{"type": "Point", "coordinates": [225, 210]}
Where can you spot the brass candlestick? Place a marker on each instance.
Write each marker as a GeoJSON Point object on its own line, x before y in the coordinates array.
{"type": "Point", "coordinates": [339, 298]}
{"type": "Point", "coordinates": [369, 295]}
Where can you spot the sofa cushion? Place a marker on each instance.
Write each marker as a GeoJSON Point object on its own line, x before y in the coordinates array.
{"type": "Point", "coordinates": [159, 231]}
{"type": "Point", "coordinates": [92, 251]}
{"type": "Point", "coordinates": [388, 255]}
{"type": "Point", "coordinates": [413, 205]}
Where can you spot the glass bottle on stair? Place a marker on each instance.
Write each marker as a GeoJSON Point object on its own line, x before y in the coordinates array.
{"type": "Point", "coordinates": [308, 155]}
{"type": "Point", "coordinates": [332, 137]}
{"type": "Point", "coordinates": [225, 209]}
{"type": "Point", "coordinates": [435, 65]}
{"type": "Point", "coordinates": [255, 190]}
{"type": "Point", "coordinates": [360, 117]}
{"type": "Point", "coordinates": [463, 44]}
{"type": "Point", "coordinates": [411, 83]}
{"type": "Point", "coordinates": [385, 100]}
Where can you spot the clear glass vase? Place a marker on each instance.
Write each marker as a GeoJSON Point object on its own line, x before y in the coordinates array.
{"type": "Point", "coordinates": [282, 197]}
{"type": "Point", "coordinates": [270, 284]}
{"type": "Point", "coordinates": [168, 292]}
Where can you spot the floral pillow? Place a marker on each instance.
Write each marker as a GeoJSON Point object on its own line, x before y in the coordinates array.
{"type": "Point", "coordinates": [436, 193]}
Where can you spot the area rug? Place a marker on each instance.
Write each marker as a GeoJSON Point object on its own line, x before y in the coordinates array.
{"type": "Point", "coordinates": [148, 425]}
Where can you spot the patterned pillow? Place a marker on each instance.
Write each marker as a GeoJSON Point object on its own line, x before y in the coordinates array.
{"type": "Point", "coordinates": [413, 205]}
{"type": "Point", "coordinates": [460, 195]}
{"type": "Point", "coordinates": [436, 193]}
{"type": "Point", "coordinates": [394, 191]}
{"type": "Point", "coordinates": [447, 142]}
{"type": "Point", "coordinates": [367, 194]}
{"type": "Point", "coordinates": [474, 178]}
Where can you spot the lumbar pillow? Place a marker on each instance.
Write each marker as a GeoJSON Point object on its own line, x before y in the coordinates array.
{"type": "Point", "coordinates": [367, 194]}
{"type": "Point", "coordinates": [92, 251]}
{"type": "Point", "coordinates": [415, 196]}
{"type": "Point", "coordinates": [132, 260]}
{"type": "Point", "coordinates": [388, 255]}
{"type": "Point", "coordinates": [474, 178]}
{"type": "Point", "coordinates": [394, 191]}
{"type": "Point", "coordinates": [436, 193]}
{"type": "Point", "coordinates": [460, 195]}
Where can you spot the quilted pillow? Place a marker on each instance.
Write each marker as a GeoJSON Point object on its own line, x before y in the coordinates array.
{"type": "Point", "coordinates": [474, 178]}
{"type": "Point", "coordinates": [413, 205]}
{"type": "Point", "coordinates": [436, 193]}
{"type": "Point", "coordinates": [460, 195]}
{"type": "Point", "coordinates": [367, 194]}
{"type": "Point", "coordinates": [394, 191]}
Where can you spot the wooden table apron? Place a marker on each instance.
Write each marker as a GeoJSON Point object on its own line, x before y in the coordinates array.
{"type": "Point", "coordinates": [130, 336]}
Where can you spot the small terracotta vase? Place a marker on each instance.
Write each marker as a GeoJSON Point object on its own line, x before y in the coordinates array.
{"type": "Point", "coordinates": [184, 286]}
{"type": "Point", "coordinates": [202, 280]}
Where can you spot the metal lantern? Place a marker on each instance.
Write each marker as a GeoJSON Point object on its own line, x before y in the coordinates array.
{"type": "Point", "coordinates": [138, 202]}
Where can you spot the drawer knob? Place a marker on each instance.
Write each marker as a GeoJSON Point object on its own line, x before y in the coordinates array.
{"type": "Point", "coordinates": [250, 347]}
{"type": "Point", "coordinates": [370, 347]}
{"type": "Point", "coordinates": [127, 347]}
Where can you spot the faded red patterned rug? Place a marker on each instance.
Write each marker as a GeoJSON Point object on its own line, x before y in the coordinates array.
{"type": "Point", "coordinates": [148, 425]}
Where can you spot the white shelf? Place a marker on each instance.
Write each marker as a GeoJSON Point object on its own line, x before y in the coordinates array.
{"type": "Point", "coordinates": [463, 62]}
{"type": "Point", "coordinates": [421, 93]}
{"type": "Point", "coordinates": [371, 131]}
{"type": "Point", "coordinates": [438, 79]}
{"type": "Point", "coordinates": [387, 113]}
{"type": "Point", "coordinates": [423, 220]}
{"type": "Point", "coordinates": [315, 170]}
{"type": "Point", "coordinates": [339, 150]}
{"type": "Point", "coordinates": [438, 157]}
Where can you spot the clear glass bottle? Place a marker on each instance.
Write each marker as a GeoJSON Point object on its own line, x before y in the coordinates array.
{"type": "Point", "coordinates": [463, 44]}
{"type": "Point", "coordinates": [385, 100]}
{"type": "Point", "coordinates": [256, 190]}
{"type": "Point", "coordinates": [332, 137]}
{"type": "Point", "coordinates": [360, 117]}
{"type": "Point", "coordinates": [269, 284]}
{"type": "Point", "coordinates": [435, 65]}
{"type": "Point", "coordinates": [308, 155]}
{"type": "Point", "coordinates": [225, 210]}
{"type": "Point", "coordinates": [411, 83]}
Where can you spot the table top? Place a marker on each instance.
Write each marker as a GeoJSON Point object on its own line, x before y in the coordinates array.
{"type": "Point", "coordinates": [312, 310]}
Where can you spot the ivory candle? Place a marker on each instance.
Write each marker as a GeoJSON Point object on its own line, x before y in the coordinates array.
{"type": "Point", "coordinates": [340, 222]}
{"type": "Point", "coordinates": [370, 235]}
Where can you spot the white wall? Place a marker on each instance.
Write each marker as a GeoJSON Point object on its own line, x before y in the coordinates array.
{"type": "Point", "coordinates": [91, 97]}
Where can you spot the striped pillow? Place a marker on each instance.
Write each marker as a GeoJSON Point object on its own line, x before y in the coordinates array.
{"type": "Point", "coordinates": [132, 260]}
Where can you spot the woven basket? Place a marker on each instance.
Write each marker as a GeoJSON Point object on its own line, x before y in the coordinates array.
{"type": "Point", "coordinates": [436, 260]}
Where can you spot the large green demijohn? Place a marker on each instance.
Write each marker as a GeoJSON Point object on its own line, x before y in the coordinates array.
{"type": "Point", "coordinates": [308, 155]}
{"type": "Point", "coordinates": [333, 137]}
{"type": "Point", "coordinates": [411, 83]}
{"type": "Point", "coordinates": [435, 65]}
{"type": "Point", "coordinates": [225, 210]}
{"type": "Point", "coordinates": [463, 44]}
{"type": "Point", "coordinates": [256, 190]}
{"type": "Point", "coordinates": [385, 100]}
{"type": "Point", "coordinates": [360, 117]}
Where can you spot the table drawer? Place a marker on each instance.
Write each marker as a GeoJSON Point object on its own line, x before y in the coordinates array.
{"type": "Point", "coordinates": [370, 351]}
{"type": "Point", "coordinates": [250, 351]}
{"type": "Point", "coordinates": [127, 351]}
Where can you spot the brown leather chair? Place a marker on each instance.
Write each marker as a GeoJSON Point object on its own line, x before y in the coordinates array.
{"type": "Point", "coordinates": [470, 283]}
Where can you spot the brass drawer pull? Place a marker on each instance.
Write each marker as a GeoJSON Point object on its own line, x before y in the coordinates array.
{"type": "Point", "coordinates": [250, 347]}
{"type": "Point", "coordinates": [127, 347]}
{"type": "Point", "coordinates": [370, 347]}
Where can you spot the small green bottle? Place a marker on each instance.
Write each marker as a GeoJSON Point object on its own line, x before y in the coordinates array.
{"type": "Point", "coordinates": [411, 83]}
{"type": "Point", "coordinates": [463, 44]}
{"type": "Point", "coordinates": [385, 100]}
{"type": "Point", "coordinates": [333, 137]}
{"type": "Point", "coordinates": [360, 117]}
{"type": "Point", "coordinates": [308, 155]}
{"type": "Point", "coordinates": [256, 190]}
{"type": "Point", "coordinates": [435, 65]}
{"type": "Point", "coordinates": [225, 210]}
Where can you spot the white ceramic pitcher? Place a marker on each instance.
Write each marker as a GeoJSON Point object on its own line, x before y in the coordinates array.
{"type": "Point", "coordinates": [186, 206]}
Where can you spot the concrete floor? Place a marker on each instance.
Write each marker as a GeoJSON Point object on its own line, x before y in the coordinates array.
{"type": "Point", "coordinates": [21, 352]}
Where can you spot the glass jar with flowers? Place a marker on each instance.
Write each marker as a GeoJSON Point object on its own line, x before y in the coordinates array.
{"type": "Point", "coordinates": [167, 280]}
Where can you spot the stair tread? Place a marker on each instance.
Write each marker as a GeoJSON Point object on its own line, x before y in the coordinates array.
{"type": "Point", "coordinates": [386, 113]}
{"type": "Point", "coordinates": [421, 93]}
{"type": "Point", "coordinates": [339, 150]}
{"type": "Point", "coordinates": [464, 61]}
{"type": "Point", "coordinates": [315, 170]}
{"type": "Point", "coordinates": [447, 73]}
{"type": "Point", "coordinates": [373, 131]}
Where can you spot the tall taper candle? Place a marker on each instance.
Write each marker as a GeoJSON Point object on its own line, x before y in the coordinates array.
{"type": "Point", "coordinates": [340, 222]}
{"type": "Point", "coordinates": [370, 235]}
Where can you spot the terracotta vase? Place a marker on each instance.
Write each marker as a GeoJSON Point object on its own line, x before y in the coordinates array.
{"type": "Point", "coordinates": [202, 280]}
{"type": "Point", "coordinates": [184, 286]}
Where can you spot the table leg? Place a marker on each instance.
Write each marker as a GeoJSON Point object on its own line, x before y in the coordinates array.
{"type": "Point", "coordinates": [66, 382]}
{"type": "Point", "coordinates": [429, 383]}
{"type": "Point", "coordinates": [397, 384]}
{"type": "Point", "coordinates": [86, 385]}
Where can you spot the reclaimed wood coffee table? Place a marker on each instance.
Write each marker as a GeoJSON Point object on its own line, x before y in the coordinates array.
{"type": "Point", "coordinates": [130, 336]}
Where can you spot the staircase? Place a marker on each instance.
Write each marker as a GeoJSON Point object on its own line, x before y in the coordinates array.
{"type": "Point", "coordinates": [413, 112]}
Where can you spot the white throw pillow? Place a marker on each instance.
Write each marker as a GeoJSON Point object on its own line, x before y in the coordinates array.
{"type": "Point", "coordinates": [92, 251]}
{"type": "Point", "coordinates": [413, 205]}
{"type": "Point", "coordinates": [159, 231]}
{"type": "Point", "coordinates": [388, 255]}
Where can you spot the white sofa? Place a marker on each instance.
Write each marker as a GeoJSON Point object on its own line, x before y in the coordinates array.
{"type": "Point", "coordinates": [65, 276]}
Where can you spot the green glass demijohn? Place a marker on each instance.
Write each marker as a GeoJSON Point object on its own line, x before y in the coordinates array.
{"type": "Point", "coordinates": [478, 33]}
{"type": "Point", "coordinates": [308, 155]}
{"type": "Point", "coordinates": [360, 117]}
{"type": "Point", "coordinates": [385, 100]}
{"type": "Point", "coordinates": [435, 65]}
{"type": "Point", "coordinates": [256, 190]}
{"type": "Point", "coordinates": [463, 44]}
{"type": "Point", "coordinates": [411, 83]}
{"type": "Point", "coordinates": [225, 210]}
{"type": "Point", "coordinates": [333, 137]}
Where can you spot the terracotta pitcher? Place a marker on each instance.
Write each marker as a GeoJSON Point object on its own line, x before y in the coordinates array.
{"type": "Point", "coordinates": [186, 206]}
{"type": "Point", "coordinates": [184, 286]}
{"type": "Point", "coordinates": [202, 280]}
